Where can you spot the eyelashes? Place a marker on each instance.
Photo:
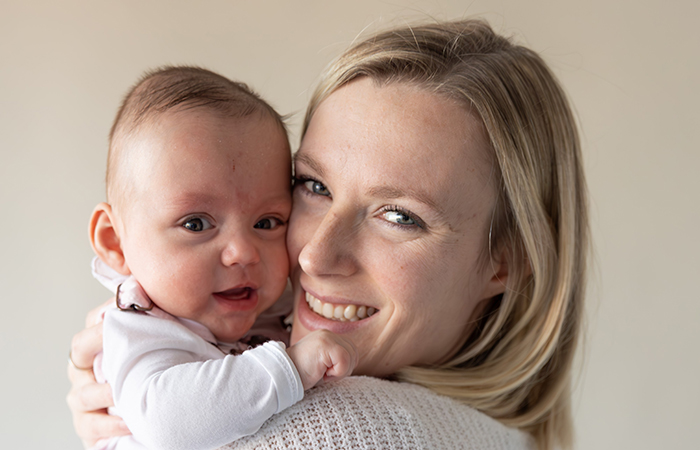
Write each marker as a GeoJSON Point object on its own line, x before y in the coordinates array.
{"type": "Point", "coordinates": [393, 215]}
{"type": "Point", "coordinates": [196, 224]}
{"type": "Point", "coordinates": [401, 217]}
{"type": "Point", "coordinates": [270, 223]}
{"type": "Point", "coordinates": [314, 187]}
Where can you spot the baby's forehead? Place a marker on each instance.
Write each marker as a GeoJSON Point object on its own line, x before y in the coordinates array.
{"type": "Point", "coordinates": [193, 142]}
{"type": "Point", "coordinates": [161, 122]}
{"type": "Point", "coordinates": [177, 122]}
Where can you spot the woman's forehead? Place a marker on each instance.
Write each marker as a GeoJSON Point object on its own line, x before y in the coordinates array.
{"type": "Point", "coordinates": [397, 127]}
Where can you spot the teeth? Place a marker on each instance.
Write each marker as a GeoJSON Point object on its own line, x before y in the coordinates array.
{"type": "Point", "coordinates": [349, 313]}
{"type": "Point", "coordinates": [317, 306]}
{"type": "Point", "coordinates": [327, 310]}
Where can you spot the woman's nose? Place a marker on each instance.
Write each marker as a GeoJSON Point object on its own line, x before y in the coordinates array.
{"type": "Point", "coordinates": [330, 249]}
{"type": "Point", "coordinates": [240, 250]}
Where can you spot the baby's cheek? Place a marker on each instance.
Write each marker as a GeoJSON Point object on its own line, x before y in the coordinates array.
{"type": "Point", "coordinates": [280, 262]}
{"type": "Point", "coordinates": [177, 286]}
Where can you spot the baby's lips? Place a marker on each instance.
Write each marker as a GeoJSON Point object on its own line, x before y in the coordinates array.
{"type": "Point", "coordinates": [238, 293]}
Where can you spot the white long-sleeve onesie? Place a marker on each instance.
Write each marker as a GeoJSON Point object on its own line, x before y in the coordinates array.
{"type": "Point", "coordinates": [175, 389]}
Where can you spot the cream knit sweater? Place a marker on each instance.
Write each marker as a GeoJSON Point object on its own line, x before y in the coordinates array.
{"type": "Point", "coordinates": [369, 413]}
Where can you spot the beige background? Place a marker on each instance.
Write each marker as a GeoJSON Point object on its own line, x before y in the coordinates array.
{"type": "Point", "coordinates": [631, 68]}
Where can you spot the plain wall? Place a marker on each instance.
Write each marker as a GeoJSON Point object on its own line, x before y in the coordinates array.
{"type": "Point", "coordinates": [631, 69]}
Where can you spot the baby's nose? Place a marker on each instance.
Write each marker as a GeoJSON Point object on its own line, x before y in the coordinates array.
{"type": "Point", "coordinates": [240, 250]}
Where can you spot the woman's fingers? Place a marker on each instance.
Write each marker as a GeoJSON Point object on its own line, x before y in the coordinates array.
{"type": "Point", "coordinates": [88, 401]}
{"type": "Point", "coordinates": [85, 345]}
{"type": "Point", "coordinates": [96, 425]}
{"type": "Point", "coordinates": [78, 377]}
{"type": "Point", "coordinates": [95, 315]}
{"type": "Point", "coordinates": [88, 395]}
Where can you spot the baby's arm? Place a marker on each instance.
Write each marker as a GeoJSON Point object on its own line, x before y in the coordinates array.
{"type": "Point", "coordinates": [171, 393]}
{"type": "Point", "coordinates": [322, 355]}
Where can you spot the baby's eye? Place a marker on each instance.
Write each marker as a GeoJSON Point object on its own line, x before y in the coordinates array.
{"type": "Point", "coordinates": [317, 187]}
{"type": "Point", "coordinates": [197, 224]}
{"type": "Point", "coordinates": [269, 223]}
{"type": "Point", "coordinates": [399, 218]}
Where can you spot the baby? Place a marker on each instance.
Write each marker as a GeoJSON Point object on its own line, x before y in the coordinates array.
{"type": "Point", "coordinates": [192, 242]}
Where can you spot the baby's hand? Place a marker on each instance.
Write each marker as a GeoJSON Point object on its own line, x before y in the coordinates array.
{"type": "Point", "coordinates": [322, 355]}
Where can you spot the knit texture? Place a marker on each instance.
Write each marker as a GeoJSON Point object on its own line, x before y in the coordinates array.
{"type": "Point", "coordinates": [369, 413]}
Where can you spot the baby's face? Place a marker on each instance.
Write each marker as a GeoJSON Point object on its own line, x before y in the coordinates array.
{"type": "Point", "coordinates": [203, 229]}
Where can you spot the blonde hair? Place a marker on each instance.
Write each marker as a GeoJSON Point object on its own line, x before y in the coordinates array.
{"type": "Point", "coordinates": [516, 365]}
{"type": "Point", "coordinates": [183, 88]}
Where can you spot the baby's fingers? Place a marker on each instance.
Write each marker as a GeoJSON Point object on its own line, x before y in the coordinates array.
{"type": "Point", "coordinates": [343, 361]}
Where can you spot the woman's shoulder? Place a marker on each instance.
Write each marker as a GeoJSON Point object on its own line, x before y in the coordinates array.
{"type": "Point", "coordinates": [369, 413]}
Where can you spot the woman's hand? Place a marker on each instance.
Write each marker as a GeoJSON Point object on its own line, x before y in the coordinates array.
{"type": "Point", "coordinates": [87, 399]}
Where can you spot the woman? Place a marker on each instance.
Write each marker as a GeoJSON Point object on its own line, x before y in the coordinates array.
{"type": "Point", "coordinates": [439, 182]}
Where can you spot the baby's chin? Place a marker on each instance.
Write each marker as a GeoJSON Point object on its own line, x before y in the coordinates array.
{"type": "Point", "coordinates": [230, 334]}
{"type": "Point", "coordinates": [228, 338]}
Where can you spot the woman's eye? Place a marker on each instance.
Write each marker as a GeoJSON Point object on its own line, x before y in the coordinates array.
{"type": "Point", "coordinates": [268, 223]}
{"type": "Point", "coordinates": [197, 224]}
{"type": "Point", "coordinates": [403, 219]}
{"type": "Point", "coordinates": [317, 187]}
{"type": "Point", "coordinates": [399, 218]}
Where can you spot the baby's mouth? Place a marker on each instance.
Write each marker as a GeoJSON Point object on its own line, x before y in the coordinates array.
{"type": "Point", "coordinates": [339, 313]}
{"type": "Point", "coordinates": [240, 293]}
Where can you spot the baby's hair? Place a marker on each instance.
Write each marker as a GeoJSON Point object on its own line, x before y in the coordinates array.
{"type": "Point", "coordinates": [178, 88]}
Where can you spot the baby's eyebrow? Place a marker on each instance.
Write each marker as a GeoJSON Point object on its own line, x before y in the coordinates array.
{"type": "Point", "coordinates": [187, 200]}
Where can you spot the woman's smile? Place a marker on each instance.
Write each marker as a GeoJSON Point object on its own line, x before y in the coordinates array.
{"type": "Point", "coordinates": [342, 312]}
{"type": "Point", "coordinates": [314, 314]}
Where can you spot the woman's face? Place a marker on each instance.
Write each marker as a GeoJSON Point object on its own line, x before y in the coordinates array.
{"type": "Point", "coordinates": [392, 206]}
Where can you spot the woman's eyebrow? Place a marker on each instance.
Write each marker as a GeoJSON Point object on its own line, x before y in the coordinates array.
{"type": "Point", "coordinates": [309, 161]}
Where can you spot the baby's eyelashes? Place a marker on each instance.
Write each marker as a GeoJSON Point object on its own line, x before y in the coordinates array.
{"type": "Point", "coordinates": [197, 224]}
{"type": "Point", "coordinates": [270, 223]}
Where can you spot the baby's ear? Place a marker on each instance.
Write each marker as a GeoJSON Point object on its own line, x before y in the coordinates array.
{"type": "Point", "coordinates": [104, 238]}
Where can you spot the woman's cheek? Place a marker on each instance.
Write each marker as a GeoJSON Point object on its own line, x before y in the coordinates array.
{"type": "Point", "coordinates": [297, 228]}
{"type": "Point", "coordinates": [407, 261]}
{"type": "Point", "coordinates": [305, 219]}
